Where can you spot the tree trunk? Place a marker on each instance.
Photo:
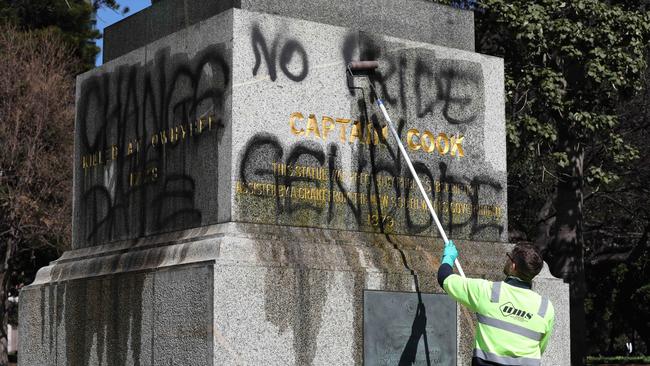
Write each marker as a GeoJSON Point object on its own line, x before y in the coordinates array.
{"type": "Point", "coordinates": [560, 236]}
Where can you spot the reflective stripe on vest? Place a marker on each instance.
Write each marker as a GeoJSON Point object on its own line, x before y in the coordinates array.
{"type": "Point", "coordinates": [496, 291]}
{"type": "Point", "coordinates": [512, 328]}
{"type": "Point", "coordinates": [542, 307]}
{"type": "Point", "coordinates": [505, 360]}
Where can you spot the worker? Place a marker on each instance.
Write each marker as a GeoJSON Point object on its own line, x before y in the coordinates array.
{"type": "Point", "coordinates": [514, 322]}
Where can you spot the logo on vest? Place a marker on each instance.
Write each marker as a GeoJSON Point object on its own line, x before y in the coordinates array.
{"type": "Point", "coordinates": [508, 309]}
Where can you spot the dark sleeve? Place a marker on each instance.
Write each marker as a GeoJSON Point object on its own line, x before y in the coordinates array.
{"type": "Point", "coordinates": [444, 271]}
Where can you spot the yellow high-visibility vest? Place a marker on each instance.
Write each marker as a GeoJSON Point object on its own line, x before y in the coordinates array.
{"type": "Point", "coordinates": [514, 323]}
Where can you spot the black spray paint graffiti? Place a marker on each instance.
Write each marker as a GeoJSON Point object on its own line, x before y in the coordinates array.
{"type": "Point", "coordinates": [449, 88]}
{"type": "Point", "coordinates": [160, 121]}
{"type": "Point", "coordinates": [254, 167]}
{"type": "Point", "coordinates": [291, 48]}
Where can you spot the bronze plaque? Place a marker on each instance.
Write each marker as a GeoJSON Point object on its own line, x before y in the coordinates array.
{"type": "Point", "coordinates": [404, 328]}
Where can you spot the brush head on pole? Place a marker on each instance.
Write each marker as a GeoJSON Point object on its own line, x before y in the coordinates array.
{"type": "Point", "coordinates": [363, 66]}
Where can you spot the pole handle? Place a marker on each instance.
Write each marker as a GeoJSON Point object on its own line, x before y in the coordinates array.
{"type": "Point", "coordinates": [380, 103]}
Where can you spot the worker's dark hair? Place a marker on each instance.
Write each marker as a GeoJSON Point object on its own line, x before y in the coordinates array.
{"type": "Point", "coordinates": [528, 261]}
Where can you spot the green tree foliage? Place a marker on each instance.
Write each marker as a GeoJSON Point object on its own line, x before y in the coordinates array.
{"type": "Point", "coordinates": [617, 250]}
{"type": "Point", "coordinates": [618, 305]}
{"type": "Point", "coordinates": [72, 18]}
{"type": "Point", "coordinates": [576, 177]}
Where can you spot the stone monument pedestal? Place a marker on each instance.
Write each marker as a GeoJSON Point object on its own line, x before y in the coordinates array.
{"type": "Point", "coordinates": [237, 201]}
{"type": "Point", "coordinates": [233, 294]}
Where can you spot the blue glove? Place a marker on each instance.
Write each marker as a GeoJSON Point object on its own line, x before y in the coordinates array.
{"type": "Point", "coordinates": [450, 253]}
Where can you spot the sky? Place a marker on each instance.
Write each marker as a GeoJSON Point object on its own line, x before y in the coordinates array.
{"type": "Point", "coordinates": [106, 17]}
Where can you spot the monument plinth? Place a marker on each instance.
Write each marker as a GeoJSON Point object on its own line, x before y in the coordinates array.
{"type": "Point", "coordinates": [238, 200]}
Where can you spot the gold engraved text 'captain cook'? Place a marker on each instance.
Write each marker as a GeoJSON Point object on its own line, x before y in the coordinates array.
{"type": "Point", "coordinates": [425, 141]}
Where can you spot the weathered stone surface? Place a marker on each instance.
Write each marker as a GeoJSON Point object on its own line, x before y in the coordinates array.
{"type": "Point", "coordinates": [100, 321]}
{"type": "Point", "coordinates": [427, 21]}
{"type": "Point", "coordinates": [559, 349]}
{"type": "Point", "coordinates": [131, 318]}
{"type": "Point", "coordinates": [256, 293]}
{"type": "Point", "coordinates": [183, 316]}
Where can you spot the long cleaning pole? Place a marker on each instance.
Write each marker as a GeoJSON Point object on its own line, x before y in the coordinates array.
{"type": "Point", "coordinates": [380, 103]}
